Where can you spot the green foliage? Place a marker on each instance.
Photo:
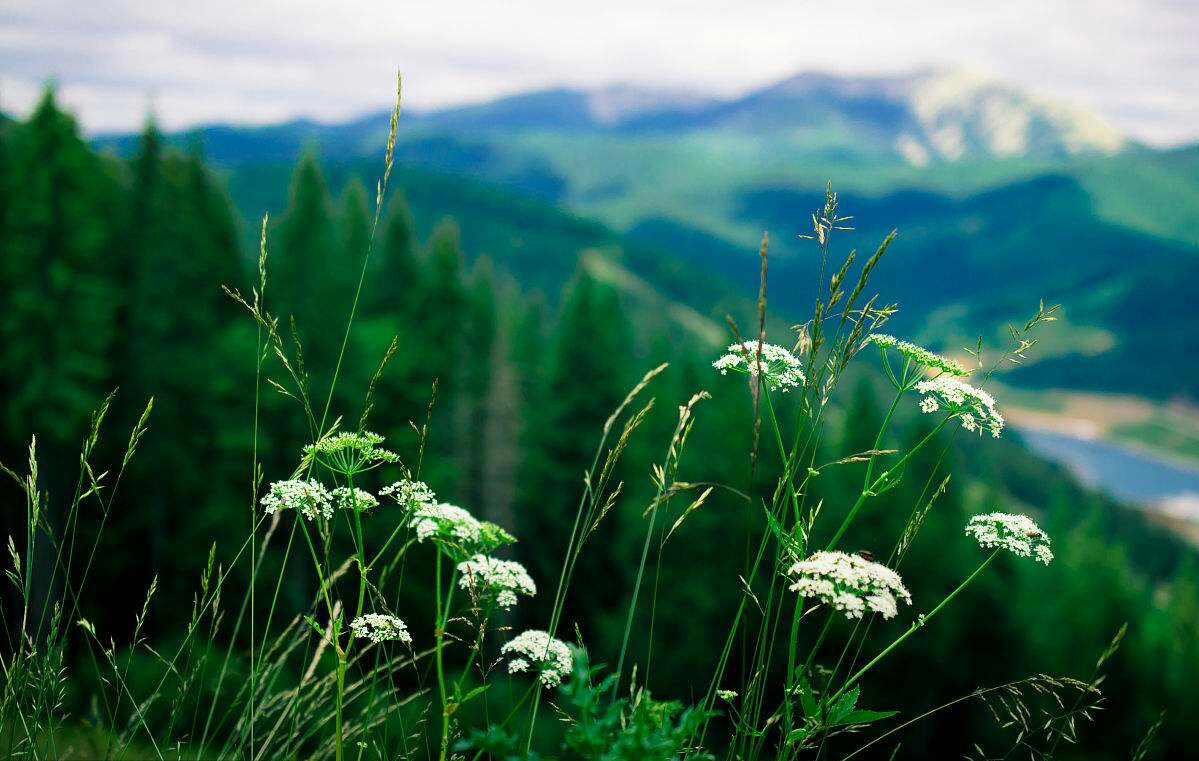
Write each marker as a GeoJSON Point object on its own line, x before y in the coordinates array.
{"type": "Point", "coordinates": [634, 728]}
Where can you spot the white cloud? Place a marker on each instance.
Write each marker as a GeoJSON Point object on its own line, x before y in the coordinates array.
{"type": "Point", "coordinates": [1136, 61]}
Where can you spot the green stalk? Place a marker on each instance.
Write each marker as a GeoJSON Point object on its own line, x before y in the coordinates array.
{"type": "Point", "coordinates": [867, 493]}
{"type": "Point", "coordinates": [341, 688]}
{"type": "Point", "coordinates": [918, 623]}
{"type": "Point", "coordinates": [439, 637]}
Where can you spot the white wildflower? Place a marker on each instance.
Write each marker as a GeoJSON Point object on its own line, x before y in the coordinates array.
{"type": "Point", "coordinates": [351, 453]}
{"type": "Point", "coordinates": [444, 522]}
{"type": "Point", "coordinates": [411, 495]}
{"type": "Point", "coordinates": [310, 498]}
{"type": "Point", "coordinates": [1018, 534]}
{"type": "Point", "coordinates": [918, 354]}
{"type": "Point", "coordinates": [378, 627]}
{"type": "Point", "coordinates": [782, 370]}
{"type": "Point", "coordinates": [729, 695]}
{"type": "Point", "coordinates": [849, 583]}
{"type": "Point", "coordinates": [361, 500]}
{"type": "Point", "coordinates": [498, 580]}
{"type": "Point", "coordinates": [537, 650]}
{"type": "Point", "coordinates": [974, 407]}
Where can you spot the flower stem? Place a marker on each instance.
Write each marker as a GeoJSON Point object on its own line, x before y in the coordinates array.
{"type": "Point", "coordinates": [341, 689]}
{"type": "Point", "coordinates": [439, 637]}
{"type": "Point", "coordinates": [919, 622]}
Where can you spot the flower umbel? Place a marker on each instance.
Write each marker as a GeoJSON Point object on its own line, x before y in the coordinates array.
{"type": "Point", "coordinates": [361, 499]}
{"type": "Point", "coordinates": [1018, 534]}
{"type": "Point", "coordinates": [918, 354]}
{"type": "Point", "coordinates": [849, 583]}
{"type": "Point", "coordinates": [973, 406]}
{"type": "Point", "coordinates": [308, 497]}
{"type": "Point", "coordinates": [378, 627]}
{"type": "Point", "coordinates": [411, 495]}
{"type": "Point", "coordinates": [350, 453]}
{"type": "Point", "coordinates": [535, 650]}
{"type": "Point", "coordinates": [782, 370]}
{"type": "Point", "coordinates": [444, 522]}
{"type": "Point", "coordinates": [495, 580]}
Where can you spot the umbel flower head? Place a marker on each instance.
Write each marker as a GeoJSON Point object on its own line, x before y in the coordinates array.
{"type": "Point", "coordinates": [308, 497]}
{"type": "Point", "coordinates": [411, 495]}
{"type": "Point", "coordinates": [781, 369]}
{"type": "Point", "coordinates": [918, 354]}
{"type": "Point", "coordinates": [378, 627]}
{"type": "Point", "coordinates": [1017, 534]}
{"type": "Point", "coordinates": [494, 580]}
{"type": "Point", "coordinates": [973, 406]}
{"type": "Point", "coordinates": [360, 499]}
{"type": "Point", "coordinates": [444, 522]}
{"type": "Point", "coordinates": [535, 650]}
{"type": "Point", "coordinates": [849, 583]}
{"type": "Point", "coordinates": [350, 453]}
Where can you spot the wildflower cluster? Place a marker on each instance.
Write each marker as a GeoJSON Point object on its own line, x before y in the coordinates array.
{"type": "Point", "coordinates": [358, 499]}
{"type": "Point", "coordinates": [849, 583]}
{"type": "Point", "coordinates": [444, 522]}
{"type": "Point", "coordinates": [378, 627]}
{"type": "Point", "coordinates": [308, 497]}
{"type": "Point", "coordinates": [918, 354]}
{"type": "Point", "coordinates": [781, 369]}
{"type": "Point", "coordinates": [973, 406]}
{"type": "Point", "coordinates": [1017, 534]}
{"type": "Point", "coordinates": [411, 495]}
{"type": "Point", "coordinates": [537, 650]}
{"type": "Point", "coordinates": [350, 453]}
{"type": "Point", "coordinates": [496, 580]}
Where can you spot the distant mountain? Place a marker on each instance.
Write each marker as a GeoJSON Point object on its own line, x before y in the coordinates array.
{"type": "Point", "coordinates": [929, 115]}
{"type": "Point", "coordinates": [917, 118]}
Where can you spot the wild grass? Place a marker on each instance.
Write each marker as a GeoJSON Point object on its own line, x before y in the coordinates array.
{"type": "Point", "coordinates": [351, 673]}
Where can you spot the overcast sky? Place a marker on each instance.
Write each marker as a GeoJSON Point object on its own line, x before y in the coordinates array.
{"type": "Point", "coordinates": [1135, 61]}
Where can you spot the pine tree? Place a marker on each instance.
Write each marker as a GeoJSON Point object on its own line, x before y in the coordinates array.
{"type": "Point", "coordinates": [587, 378]}
{"type": "Point", "coordinates": [305, 275]}
{"type": "Point", "coordinates": [439, 327]}
{"type": "Point", "coordinates": [58, 280]}
{"type": "Point", "coordinates": [478, 368]}
{"type": "Point", "coordinates": [354, 232]}
{"type": "Point", "coordinates": [58, 286]}
{"type": "Point", "coordinates": [395, 267]}
{"type": "Point", "coordinates": [179, 247]}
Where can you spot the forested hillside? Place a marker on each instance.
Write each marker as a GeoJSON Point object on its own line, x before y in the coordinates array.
{"type": "Point", "coordinates": [991, 217]}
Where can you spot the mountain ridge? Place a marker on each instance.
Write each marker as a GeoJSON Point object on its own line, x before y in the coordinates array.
{"type": "Point", "coordinates": [918, 117]}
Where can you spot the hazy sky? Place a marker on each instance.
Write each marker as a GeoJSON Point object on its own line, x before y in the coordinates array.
{"type": "Point", "coordinates": [1135, 61]}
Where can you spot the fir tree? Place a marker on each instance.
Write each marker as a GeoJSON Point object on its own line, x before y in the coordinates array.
{"type": "Point", "coordinates": [305, 258]}
{"type": "Point", "coordinates": [587, 378]}
{"type": "Point", "coordinates": [395, 268]}
{"type": "Point", "coordinates": [58, 278]}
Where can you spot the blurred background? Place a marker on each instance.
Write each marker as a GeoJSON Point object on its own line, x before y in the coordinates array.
{"type": "Point", "coordinates": [579, 194]}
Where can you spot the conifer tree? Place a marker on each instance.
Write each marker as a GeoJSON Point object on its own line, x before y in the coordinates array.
{"type": "Point", "coordinates": [305, 257]}
{"type": "Point", "coordinates": [58, 287]}
{"type": "Point", "coordinates": [587, 377]}
{"type": "Point", "coordinates": [354, 231]}
{"type": "Point", "coordinates": [478, 363]}
{"type": "Point", "coordinates": [58, 281]}
{"type": "Point", "coordinates": [395, 268]}
{"type": "Point", "coordinates": [179, 247]}
{"type": "Point", "coordinates": [440, 335]}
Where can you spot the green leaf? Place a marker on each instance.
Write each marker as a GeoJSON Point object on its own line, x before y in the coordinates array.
{"type": "Point", "coordinates": [476, 692]}
{"type": "Point", "coordinates": [863, 717]}
{"type": "Point", "coordinates": [797, 736]}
